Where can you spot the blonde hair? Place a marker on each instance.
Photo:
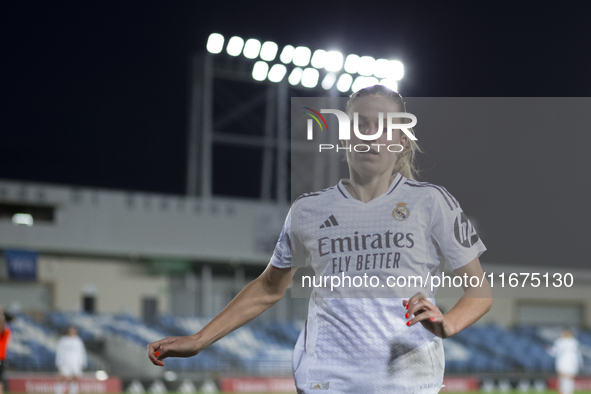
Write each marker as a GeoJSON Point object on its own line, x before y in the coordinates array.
{"type": "Point", "coordinates": [405, 162]}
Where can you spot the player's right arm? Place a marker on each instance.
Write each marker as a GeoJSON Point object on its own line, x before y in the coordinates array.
{"type": "Point", "coordinates": [256, 297]}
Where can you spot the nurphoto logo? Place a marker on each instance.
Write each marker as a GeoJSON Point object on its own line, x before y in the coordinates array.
{"type": "Point", "coordinates": [345, 129]}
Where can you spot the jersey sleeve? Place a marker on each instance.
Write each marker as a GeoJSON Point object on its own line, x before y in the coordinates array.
{"type": "Point", "coordinates": [453, 232]}
{"type": "Point", "coordinates": [289, 251]}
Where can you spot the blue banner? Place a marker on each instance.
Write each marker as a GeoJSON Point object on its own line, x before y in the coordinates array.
{"type": "Point", "coordinates": [22, 265]}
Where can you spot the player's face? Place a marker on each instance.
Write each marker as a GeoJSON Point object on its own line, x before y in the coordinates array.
{"type": "Point", "coordinates": [378, 159]}
{"type": "Point", "coordinates": [72, 331]}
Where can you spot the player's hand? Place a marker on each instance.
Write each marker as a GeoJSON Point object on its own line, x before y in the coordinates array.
{"type": "Point", "coordinates": [428, 315]}
{"type": "Point", "coordinates": [172, 347]}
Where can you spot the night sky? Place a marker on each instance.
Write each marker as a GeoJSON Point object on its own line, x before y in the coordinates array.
{"type": "Point", "coordinates": [95, 93]}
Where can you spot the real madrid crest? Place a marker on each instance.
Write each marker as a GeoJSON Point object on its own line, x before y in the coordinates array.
{"type": "Point", "coordinates": [401, 212]}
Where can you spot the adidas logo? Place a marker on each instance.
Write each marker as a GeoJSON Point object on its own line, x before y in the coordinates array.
{"type": "Point", "coordinates": [331, 221]}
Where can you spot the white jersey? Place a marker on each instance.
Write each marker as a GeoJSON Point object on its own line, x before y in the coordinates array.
{"type": "Point", "coordinates": [568, 356]}
{"type": "Point", "coordinates": [362, 345]}
{"type": "Point", "coordinates": [70, 354]}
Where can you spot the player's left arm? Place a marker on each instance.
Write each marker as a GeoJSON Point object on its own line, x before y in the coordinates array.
{"type": "Point", "coordinates": [474, 303]}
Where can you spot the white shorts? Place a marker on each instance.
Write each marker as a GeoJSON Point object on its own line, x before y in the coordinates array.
{"type": "Point", "coordinates": [567, 366]}
{"type": "Point", "coordinates": [420, 371]}
{"type": "Point", "coordinates": [70, 370]}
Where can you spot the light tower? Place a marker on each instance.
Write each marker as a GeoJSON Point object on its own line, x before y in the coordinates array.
{"type": "Point", "coordinates": [275, 74]}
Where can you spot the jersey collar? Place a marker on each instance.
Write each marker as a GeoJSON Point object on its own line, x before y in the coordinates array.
{"type": "Point", "coordinates": [345, 193]}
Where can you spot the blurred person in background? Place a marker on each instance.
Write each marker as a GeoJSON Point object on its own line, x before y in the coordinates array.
{"type": "Point", "coordinates": [372, 344]}
{"type": "Point", "coordinates": [70, 359]}
{"type": "Point", "coordinates": [568, 359]}
{"type": "Point", "coordinates": [4, 339]}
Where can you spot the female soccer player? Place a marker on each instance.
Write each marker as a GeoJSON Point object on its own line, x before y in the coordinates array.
{"type": "Point", "coordinates": [568, 357]}
{"type": "Point", "coordinates": [70, 358]}
{"type": "Point", "coordinates": [379, 222]}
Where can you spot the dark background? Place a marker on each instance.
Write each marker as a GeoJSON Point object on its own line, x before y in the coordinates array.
{"type": "Point", "coordinates": [95, 94]}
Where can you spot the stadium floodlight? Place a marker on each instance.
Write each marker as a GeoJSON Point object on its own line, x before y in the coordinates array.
{"type": "Point", "coordinates": [334, 61]}
{"type": "Point", "coordinates": [215, 43]}
{"type": "Point", "coordinates": [329, 80]}
{"type": "Point", "coordinates": [363, 82]}
{"type": "Point", "coordinates": [381, 68]}
{"type": "Point", "coordinates": [344, 82]}
{"type": "Point", "coordinates": [366, 65]}
{"type": "Point", "coordinates": [390, 83]}
{"type": "Point", "coordinates": [352, 64]}
{"type": "Point", "coordinates": [259, 71]}
{"type": "Point", "coordinates": [310, 77]}
{"type": "Point", "coordinates": [395, 70]}
{"type": "Point", "coordinates": [235, 45]}
{"type": "Point", "coordinates": [252, 48]}
{"type": "Point", "coordinates": [22, 218]}
{"type": "Point", "coordinates": [269, 51]}
{"type": "Point", "coordinates": [287, 54]}
{"type": "Point", "coordinates": [100, 374]}
{"type": "Point", "coordinates": [301, 56]}
{"type": "Point", "coordinates": [295, 76]}
{"type": "Point", "coordinates": [319, 58]}
{"type": "Point", "coordinates": [277, 73]}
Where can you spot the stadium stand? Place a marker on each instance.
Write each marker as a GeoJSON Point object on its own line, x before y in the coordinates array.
{"type": "Point", "coordinates": [251, 349]}
{"type": "Point", "coordinates": [33, 346]}
{"type": "Point", "coordinates": [265, 347]}
{"type": "Point", "coordinates": [495, 349]}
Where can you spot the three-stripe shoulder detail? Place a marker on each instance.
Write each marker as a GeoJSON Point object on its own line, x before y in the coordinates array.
{"type": "Point", "coordinates": [313, 194]}
{"type": "Point", "coordinates": [452, 203]}
{"type": "Point", "coordinates": [395, 186]}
